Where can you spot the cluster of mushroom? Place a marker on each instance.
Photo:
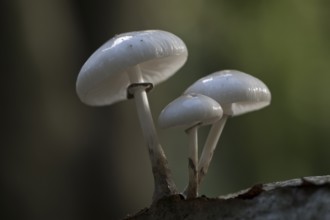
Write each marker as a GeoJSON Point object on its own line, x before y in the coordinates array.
{"type": "Point", "coordinates": [131, 64]}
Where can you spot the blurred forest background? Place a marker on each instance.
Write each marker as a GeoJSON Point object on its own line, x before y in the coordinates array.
{"type": "Point", "coordinates": [61, 159]}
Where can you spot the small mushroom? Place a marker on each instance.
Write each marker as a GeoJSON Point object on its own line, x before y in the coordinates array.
{"type": "Point", "coordinates": [237, 93]}
{"type": "Point", "coordinates": [191, 111]}
{"type": "Point", "coordinates": [127, 66]}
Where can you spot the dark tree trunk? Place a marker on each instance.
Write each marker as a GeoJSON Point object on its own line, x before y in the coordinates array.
{"type": "Point", "coordinates": [304, 198]}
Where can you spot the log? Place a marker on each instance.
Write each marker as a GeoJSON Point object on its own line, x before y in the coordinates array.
{"type": "Point", "coordinates": [301, 198]}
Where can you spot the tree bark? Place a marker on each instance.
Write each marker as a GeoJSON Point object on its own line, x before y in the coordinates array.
{"type": "Point", "coordinates": [303, 198]}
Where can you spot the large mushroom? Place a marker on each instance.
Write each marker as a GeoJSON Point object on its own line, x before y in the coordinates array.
{"type": "Point", "coordinates": [237, 93]}
{"type": "Point", "coordinates": [127, 66]}
{"type": "Point", "coordinates": [190, 112]}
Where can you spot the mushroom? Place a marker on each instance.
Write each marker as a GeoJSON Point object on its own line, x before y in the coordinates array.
{"type": "Point", "coordinates": [237, 93]}
{"type": "Point", "coordinates": [128, 66]}
{"type": "Point", "coordinates": [191, 111]}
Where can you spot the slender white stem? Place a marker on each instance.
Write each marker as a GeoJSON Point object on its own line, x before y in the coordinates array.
{"type": "Point", "coordinates": [209, 147]}
{"type": "Point", "coordinates": [135, 75]}
{"type": "Point", "coordinates": [146, 120]}
{"type": "Point", "coordinates": [164, 185]}
{"type": "Point", "coordinates": [192, 189]}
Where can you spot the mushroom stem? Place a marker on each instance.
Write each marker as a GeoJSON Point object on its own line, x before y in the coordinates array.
{"type": "Point", "coordinates": [209, 147]}
{"type": "Point", "coordinates": [135, 75]}
{"type": "Point", "coordinates": [164, 184]}
{"type": "Point", "coordinates": [192, 189]}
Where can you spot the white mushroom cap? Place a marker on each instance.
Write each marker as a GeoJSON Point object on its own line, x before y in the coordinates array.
{"type": "Point", "coordinates": [236, 92]}
{"type": "Point", "coordinates": [190, 110]}
{"type": "Point", "coordinates": [103, 79]}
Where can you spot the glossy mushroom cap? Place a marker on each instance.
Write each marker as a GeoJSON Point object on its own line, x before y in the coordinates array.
{"type": "Point", "coordinates": [190, 110]}
{"type": "Point", "coordinates": [103, 79]}
{"type": "Point", "coordinates": [236, 92]}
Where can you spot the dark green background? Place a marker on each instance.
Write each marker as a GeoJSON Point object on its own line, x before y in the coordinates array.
{"type": "Point", "coordinates": [61, 159]}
